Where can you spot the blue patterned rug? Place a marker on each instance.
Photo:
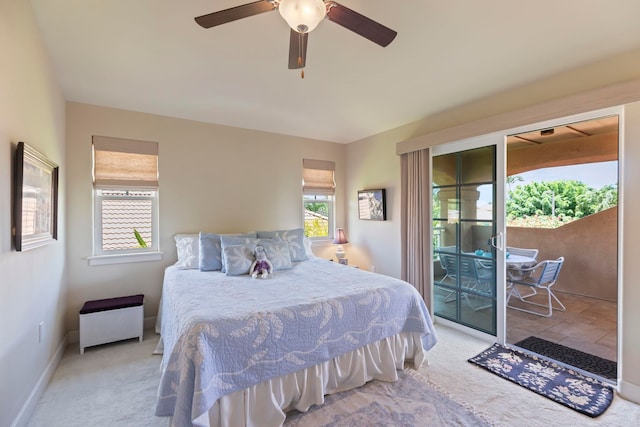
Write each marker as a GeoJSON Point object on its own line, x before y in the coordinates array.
{"type": "Point", "coordinates": [567, 387]}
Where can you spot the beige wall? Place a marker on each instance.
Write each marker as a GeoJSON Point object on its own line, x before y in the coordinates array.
{"type": "Point", "coordinates": [212, 178]}
{"type": "Point", "coordinates": [374, 164]}
{"type": "Point", "coordinates": [32, 283]}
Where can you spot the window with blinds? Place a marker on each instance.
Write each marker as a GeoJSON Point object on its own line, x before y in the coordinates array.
{"type": "Point", "coordinates": [125, 183]}
{"type": "Point", "coordinates": [318, 188]}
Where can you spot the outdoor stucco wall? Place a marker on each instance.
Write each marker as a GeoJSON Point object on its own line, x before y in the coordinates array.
{"type": "Point", "coordinates": [589, 247]}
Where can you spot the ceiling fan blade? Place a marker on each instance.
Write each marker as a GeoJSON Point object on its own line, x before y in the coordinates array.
{"type": "Point", "coordinates": [235, 13]}
{"type": "Point", "coordinates": [297, 49]}
{"type": "Point", "coordinates": [360, 24]}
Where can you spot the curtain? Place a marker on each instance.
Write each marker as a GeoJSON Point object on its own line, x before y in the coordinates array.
{"type": "Point", "coordinates": [124, 163]}
{"type": "Point", "coordinates": [318, 177]}
{"type": "Point", "coordinates": [415, 228]}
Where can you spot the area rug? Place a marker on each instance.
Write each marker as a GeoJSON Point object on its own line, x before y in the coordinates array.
{"type": "Point", "coordinates": [410, 401]}
{"type": "Point", "coordinates": [570, 388]}
{"type": "Point", "coordinates": [569, 356]}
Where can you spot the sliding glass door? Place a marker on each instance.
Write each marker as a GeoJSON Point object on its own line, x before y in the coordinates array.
{"type": "Point", "coordinates": [468, 226]}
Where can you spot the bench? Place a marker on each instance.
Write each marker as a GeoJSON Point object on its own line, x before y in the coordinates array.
{"type": "Point", "coordinates": [112, 319]}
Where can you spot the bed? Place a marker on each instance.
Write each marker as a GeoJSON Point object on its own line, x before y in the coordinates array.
{"type": "Point", "coordinates": [242, 351]}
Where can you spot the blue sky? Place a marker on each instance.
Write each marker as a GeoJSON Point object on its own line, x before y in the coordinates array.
{"type": "Point", "coordinates": [594, 175]}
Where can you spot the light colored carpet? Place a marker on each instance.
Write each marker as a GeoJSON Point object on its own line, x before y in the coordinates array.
{"type": "Point", "coordinates": [115, 385]}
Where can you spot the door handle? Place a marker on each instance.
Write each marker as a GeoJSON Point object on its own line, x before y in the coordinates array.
{"type": "Point", "coordinates": [497, 241]}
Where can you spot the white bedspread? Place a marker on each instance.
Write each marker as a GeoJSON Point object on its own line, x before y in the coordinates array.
{"type": "Point", "coordinates": [222, 334]}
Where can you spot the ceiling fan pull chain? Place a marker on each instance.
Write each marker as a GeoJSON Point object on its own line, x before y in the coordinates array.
{"type": "Point", "coordinates": [300, 53]}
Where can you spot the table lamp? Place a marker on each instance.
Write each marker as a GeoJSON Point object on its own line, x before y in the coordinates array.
{"type": "Point", "coordinates": [340, 239]}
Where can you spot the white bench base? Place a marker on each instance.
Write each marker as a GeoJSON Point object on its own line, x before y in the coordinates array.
{"type": "Point", "coordinates": [111, 325]}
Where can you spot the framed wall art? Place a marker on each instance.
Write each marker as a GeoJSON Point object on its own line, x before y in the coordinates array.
{"type": "Point", "coordinates": [372, 205]}
{"type": "Point", "coordinates": [36, 199]}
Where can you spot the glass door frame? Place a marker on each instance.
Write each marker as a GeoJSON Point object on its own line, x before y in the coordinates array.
{"type": "Point", "coordinates": [498, 140]}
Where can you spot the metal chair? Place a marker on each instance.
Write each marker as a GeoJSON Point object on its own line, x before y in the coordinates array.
{"type": "Point", "coordinates": [451, 249]}
{"type": "Point", "coordinates": [533, 253]}
{"type": "Point", "coordinates": [470, 278]}
{"type": "Point", "coordinates": [542, 276]}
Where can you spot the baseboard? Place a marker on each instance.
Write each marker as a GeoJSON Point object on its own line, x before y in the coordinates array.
{"type": "Point", "coordinates": [149, 323]}
{"type": "Point", "coordinates": [465, 330]}
{"type": "Point", "coordinates": [34, 397]}
{"type": "Point", "coordinates": [629, 391]}
{"type": "Point", "coordinates": [30, 404]}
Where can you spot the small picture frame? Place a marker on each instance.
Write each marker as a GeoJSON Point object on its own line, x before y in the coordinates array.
{"type": "Point", "coordinates": [343, 261]}
{"type": "Point", "coordinates": [372, 205]}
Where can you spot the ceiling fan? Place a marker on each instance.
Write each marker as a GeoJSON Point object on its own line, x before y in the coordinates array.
{"type": "Point", "coordinates": [303, 16]}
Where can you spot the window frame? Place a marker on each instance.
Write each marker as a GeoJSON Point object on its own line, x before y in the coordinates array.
{"type": "Point", "coordinates": [97, 229]}
{"type": "Point", "coordinates": [330, 200]}
{"type": "Point", "coordinates": [147, 185]}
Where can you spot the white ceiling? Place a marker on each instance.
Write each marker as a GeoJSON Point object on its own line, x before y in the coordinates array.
{"type": "Point", "coordinates": [151, 56]}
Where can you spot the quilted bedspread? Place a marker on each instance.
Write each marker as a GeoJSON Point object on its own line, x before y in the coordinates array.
{"type": "Point", "coordinates": [222, 334]}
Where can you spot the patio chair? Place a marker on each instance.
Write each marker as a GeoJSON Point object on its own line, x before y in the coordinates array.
{"type": "Point", "coordinates": [451, 249]}
{"type": "Point", "coordinates": [543, 276]}
{"type": "Point", "coordinates": [473, 277]}
{"type": "Point", "coordinates": [533, 253]}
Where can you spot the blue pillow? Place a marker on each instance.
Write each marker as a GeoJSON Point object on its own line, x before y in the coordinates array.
{"type": "Point", "coordinates": [235, 240]}
{"type": "Point", "coordinates": [211, 250]}
{"type": "Point", "coordinates": [294, 238]}
{"type": "Point", "coordinates": [237, 259]}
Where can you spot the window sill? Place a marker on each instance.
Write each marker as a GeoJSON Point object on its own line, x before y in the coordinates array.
{"type": "Point", "coordinates": [320, 242]}
{"type": "Point", "coordinates": [124, 258]}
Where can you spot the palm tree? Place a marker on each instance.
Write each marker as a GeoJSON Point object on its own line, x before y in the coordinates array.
{"type": "Point", "coordinates": [513, 179]}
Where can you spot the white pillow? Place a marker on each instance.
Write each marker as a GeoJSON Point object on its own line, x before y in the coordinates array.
{"type": "Point", "coordinates": [188, 248]}
{"type": "Point", "coordinates": [307, 248]}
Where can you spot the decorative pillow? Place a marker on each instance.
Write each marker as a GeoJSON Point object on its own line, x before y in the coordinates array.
{"type": "Point", "coordinates": [249, 239]}
{"type": "Point", "coordinates": [211, 257]}
{"type": "Point", "coordinates": [237, 259]}
{"type": "Point", "coordinates": [188, 248]}
{"type": "Point", "coordinates": [210, 252]}
{"type": "Point", "coordinates": [295, 239]}
{"type": "Point", "coordinates": [278, 253]}
{"type": "Point", "coordinates": [307, 248]}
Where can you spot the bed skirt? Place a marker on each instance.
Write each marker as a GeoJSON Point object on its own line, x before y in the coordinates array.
{"type": "Point", "coordinates": [266, 403]}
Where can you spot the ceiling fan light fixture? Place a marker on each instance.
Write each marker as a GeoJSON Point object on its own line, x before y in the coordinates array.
{"type": "Point", "coordinates": [302, 16]}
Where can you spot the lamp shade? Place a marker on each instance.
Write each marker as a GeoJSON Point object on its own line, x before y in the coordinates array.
{"type": "Point", "coordinates": [340, 238]}
{"type": "Point", "coordinates": [302, 15]}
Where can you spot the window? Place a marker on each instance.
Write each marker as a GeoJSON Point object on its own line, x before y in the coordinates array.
{"type": "Point", "coordinates": [318, 188]}
{"type": "Point", "coordinates": [125, 191]}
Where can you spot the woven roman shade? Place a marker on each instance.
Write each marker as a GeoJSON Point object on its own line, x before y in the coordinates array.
{"type": "Point", "coordinates": [317, 177]}
{"type": "Point", "coordinates": [124, 163]}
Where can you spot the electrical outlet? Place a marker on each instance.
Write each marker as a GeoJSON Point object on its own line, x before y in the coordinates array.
{"type": "Point", "coordinates": [40, 331]}
{"type": "Point", "coordinates": [372, 268]}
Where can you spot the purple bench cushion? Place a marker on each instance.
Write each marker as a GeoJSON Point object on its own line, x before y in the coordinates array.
{"type": "Point", "coordinates": [112, 303]}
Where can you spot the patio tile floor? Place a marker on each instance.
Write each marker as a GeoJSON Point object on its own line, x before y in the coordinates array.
{"type": "Point", "coordinates": [588, 325]}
